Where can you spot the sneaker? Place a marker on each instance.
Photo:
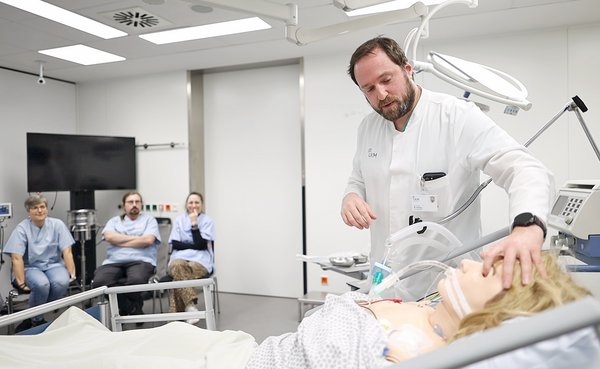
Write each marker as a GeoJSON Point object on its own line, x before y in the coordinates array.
{"type": "Point", "coordinates": [192, 308]}
{"type": "Point", "coordinates": [24, 325]}
{"type": "Point", "coordinates": [35, 323]}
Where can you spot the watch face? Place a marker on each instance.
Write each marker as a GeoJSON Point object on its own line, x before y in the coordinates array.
{"type": "Point", "coordinates": [524, 219]}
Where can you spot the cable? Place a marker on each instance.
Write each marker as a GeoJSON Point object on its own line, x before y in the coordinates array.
{"type": "Point", "coordinates": [54, 202]}
{"type": "Point", "coordinates": [1, 243]}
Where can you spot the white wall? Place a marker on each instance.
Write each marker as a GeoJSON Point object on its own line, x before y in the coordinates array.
{"type": "Point", "coordinates": [254, 178]}
{"type": "Point", "coordinates": [153, 109]}
{"type": "Point", "coordinates": [26, 106]}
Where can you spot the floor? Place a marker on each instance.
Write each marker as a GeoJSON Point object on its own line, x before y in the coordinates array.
{"type": "Point", "coordinates": [260, 316]}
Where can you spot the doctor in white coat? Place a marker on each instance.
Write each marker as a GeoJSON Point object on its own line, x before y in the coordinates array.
{"type": "Point", "coordinates": [420, 154]}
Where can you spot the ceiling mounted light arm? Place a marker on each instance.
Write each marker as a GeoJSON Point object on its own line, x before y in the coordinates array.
{"type": "Point", "coordinates": [425, 23]}
{"type": "Point", "coordinates": [349, 5]}
{"type": "Point", "coordinates": [301, 36]}
{"type": "Point", "coordinates": [287, 13]}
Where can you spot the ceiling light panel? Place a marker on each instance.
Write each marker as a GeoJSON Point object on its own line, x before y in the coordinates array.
{"type": "Point", "coordinates": [66, 17]}
{"type": "Point", "coordinates": [82, 54]}
{"type": "Point", "coordinates": [206, 31]}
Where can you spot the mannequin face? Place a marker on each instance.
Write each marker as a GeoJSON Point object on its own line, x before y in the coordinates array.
{"type": "Point", "coordinates": [477, 289]}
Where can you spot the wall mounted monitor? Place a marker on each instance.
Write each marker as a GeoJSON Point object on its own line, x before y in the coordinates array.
{"type": "Point", "coordinates": [61, 162]}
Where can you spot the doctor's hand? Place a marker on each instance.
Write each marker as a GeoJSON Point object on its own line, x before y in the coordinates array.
{"type": "Point", "coordinates": [356, 212]}
{"type": "Point", "coordinates": [523, 243]}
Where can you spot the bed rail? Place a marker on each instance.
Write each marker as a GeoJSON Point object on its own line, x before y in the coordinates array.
{"type": "Point", "coordinates": [51, 306]}
{"type": "Point", "coordinates": [111, 318]}
{"type": "Point", "coordinates": [208, 314]}
{"type": "Point", "coordinates": [548, 324]}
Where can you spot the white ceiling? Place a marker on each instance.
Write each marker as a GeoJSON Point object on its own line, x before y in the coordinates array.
{"type": "Point", "coordinates": [22, 34]}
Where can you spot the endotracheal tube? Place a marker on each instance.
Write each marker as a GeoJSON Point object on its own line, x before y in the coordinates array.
{"type": "Point", "coordinates": [391, 279]}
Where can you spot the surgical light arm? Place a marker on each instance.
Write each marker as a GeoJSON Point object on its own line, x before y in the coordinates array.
{"type": "Point", "coordinates": [301, 36]}
{"type": "Point", "coordinates": [348, 5]}
{"type": "Point", "coordinates": [285, 12]}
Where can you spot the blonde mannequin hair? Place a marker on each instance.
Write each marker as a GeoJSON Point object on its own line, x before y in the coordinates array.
{"type": "Point", "coordinates": [542, 293]}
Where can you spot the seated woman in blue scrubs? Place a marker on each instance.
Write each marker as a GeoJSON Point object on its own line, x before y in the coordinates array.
{"type": "Point", "coordinates": [192, 240]}
{"type": "Point", "coordinates": [40, 252]}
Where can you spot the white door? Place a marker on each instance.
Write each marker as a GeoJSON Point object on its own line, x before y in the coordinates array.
{"type": "Point", "coordinates": [253, 178]}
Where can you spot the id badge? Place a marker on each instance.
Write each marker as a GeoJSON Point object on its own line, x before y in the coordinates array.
{"type": "Point", "coordinates": [425, 203]}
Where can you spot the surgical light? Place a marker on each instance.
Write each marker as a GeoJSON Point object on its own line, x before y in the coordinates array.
{"type": "Point", "coordinates": [472, 77]}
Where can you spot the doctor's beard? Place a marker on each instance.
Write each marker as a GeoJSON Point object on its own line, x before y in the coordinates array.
{"type": "Point", "coordinates": [400, 107]}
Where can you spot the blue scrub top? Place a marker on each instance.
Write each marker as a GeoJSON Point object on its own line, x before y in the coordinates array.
{"type": "Point", "coordinates": [41, 247]}
{"type": "Point", "coordinates": [182, 232]}
{"type": "Point", "coordinates": [142, 225]}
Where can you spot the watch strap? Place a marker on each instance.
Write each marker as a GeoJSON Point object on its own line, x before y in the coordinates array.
{"type": "Point", "coordinates": [527, 219]}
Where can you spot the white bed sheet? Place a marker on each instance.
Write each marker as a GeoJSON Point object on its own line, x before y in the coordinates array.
{"type": "Point", "coordinates": [77, 340]}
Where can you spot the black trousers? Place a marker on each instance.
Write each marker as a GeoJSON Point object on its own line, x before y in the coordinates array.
{"type": "Point", "coordinates": [123, 274]}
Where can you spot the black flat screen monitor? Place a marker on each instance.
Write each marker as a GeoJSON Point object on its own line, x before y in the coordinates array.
{"type": "Point", "coordinates": [59, 162]}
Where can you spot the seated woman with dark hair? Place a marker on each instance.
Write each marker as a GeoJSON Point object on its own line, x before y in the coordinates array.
{"type": "Point", "coordinates": [348, 331]}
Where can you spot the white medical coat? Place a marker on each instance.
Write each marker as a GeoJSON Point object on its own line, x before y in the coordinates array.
{"type": "Point", "coordinates": [443, 134]}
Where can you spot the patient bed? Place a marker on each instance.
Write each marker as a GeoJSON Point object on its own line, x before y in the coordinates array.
{"type": "Point", "coordinates": [146, 347]}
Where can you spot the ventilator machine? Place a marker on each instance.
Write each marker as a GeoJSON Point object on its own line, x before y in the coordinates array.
{"type": "Point", "coordinates": [576, 215]}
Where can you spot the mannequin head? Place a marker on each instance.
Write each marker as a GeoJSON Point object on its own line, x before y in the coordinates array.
{"type": "Point", "coordinates": [541, 294]}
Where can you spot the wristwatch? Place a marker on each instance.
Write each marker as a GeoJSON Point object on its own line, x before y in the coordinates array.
{"type": "Point", "coordinates": [527, 219]}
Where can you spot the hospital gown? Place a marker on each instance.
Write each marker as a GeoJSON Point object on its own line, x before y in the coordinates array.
{"type": "Point", "coordinates": [341, 334]}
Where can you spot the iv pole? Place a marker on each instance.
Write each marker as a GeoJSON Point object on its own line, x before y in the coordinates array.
{"type": "Point", "coordinates": [576, 105]}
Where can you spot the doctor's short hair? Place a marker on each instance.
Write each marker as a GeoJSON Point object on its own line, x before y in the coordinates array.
{"type": "Point", "coordinates": [35, 200]}
{"type": "Point", "coordinates": [542, 293]}
{"type": "Point", "coordinates": [388, 45]}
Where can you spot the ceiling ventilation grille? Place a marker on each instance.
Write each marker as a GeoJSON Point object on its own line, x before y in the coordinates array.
{"type": "Point", "coordinates": [136, 18]}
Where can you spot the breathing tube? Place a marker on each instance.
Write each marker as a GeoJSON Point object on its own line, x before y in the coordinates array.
{"type": "Point", "coordinates": [454, 292]}
{"type": "Point", "coordinates": [390, 280]}
{"type": "Point", "coordinates": [408, 236]}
